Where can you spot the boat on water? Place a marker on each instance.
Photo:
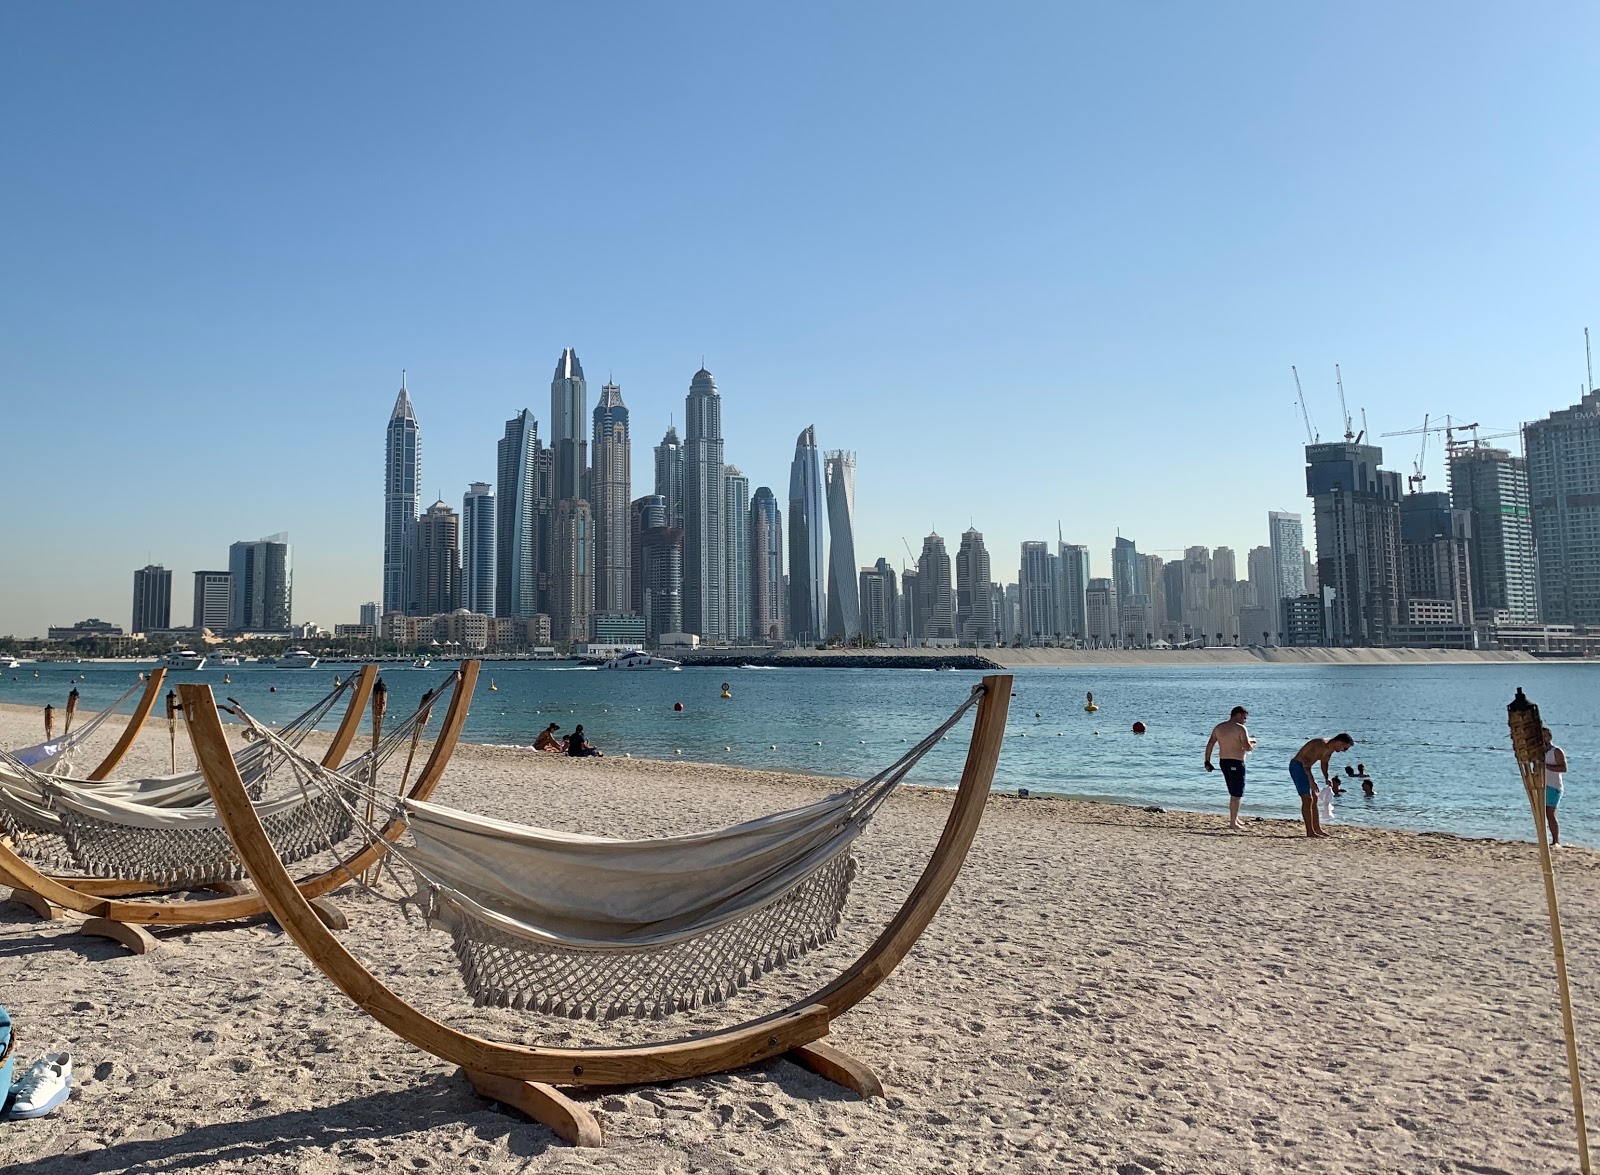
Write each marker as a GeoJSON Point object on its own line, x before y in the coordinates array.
{"type": "Point", "coordinates": [422, 662]}
{"type": "Point", "coordinates": [297, 659]}
{"type": "Point", "coordinates": [640, 660]}
{"type": "Point", "coordinates": [185, 659]}
{"type": "Point", "coordinates": [227, 659]}
{"type": "Point", "coordinates": [10, 663]}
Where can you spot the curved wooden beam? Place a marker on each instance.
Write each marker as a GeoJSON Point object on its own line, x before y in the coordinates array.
{"type": "Point", "coordinates": [693, 1056]}
{"type": "Point", "coordinates": [130, 732]}
{"type": "Point", "coordinates": [94, 900]}
{"type": "Point", "coordinates": [351, 723]}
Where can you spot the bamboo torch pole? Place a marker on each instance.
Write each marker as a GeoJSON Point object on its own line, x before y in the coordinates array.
{"type": "Point", "coordinates": [172, 727]}
{"type": "Point", "coordinates": [1527, 741]}
{"type": "Point", "coordinates": [72, 708]}
{"type": "Point", "coordinates": [49, 721]}
{"type": "Point", "coordinates": [380, 703]}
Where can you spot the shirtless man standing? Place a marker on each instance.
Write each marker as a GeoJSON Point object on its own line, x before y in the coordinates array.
{"type": "Point", "coordinates": [1233, 743]}
{"type": "Point", "coordinates": [1315, 753]}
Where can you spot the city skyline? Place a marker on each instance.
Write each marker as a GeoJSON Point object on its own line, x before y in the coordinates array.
{"type": "Point", "coordinates": [271, 257]}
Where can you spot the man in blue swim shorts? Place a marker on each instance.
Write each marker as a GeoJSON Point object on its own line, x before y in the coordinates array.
{"type": "Point", "coordinates": [1315, 753]}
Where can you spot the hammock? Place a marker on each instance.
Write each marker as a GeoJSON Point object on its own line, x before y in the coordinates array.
{"type": "Point", "coordinates": [593, 928]}
{"type": "Point", "coordinates": [167, 831]}
{"type": "Point", "coordinates": [55, 755]}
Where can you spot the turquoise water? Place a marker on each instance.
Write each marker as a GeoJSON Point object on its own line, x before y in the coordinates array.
{"type": "Point", "coordinates": [1433, 737]}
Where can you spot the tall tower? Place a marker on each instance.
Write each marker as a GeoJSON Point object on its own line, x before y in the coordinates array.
{"type": "Point", "coordinates": [1356, 506]}
{"type": "Point", "coordinates": [477, 548]}
{"type": "Point", "coordinates": [736, 553]}
{"type": "Point", "coordinates": [569, 395]}
{"type": "Point", "coordinates": [704, 507]}
{"type": "Point", "coordinates": [1072, 567]}
{"type": "Point", "coordinates": [263, 584]}
{"type": "Point", "coordinates": [844, 583]}
{"type": "Point", "coordinates": [438, 561]}
{"type": "Point", "coordinates": [1037, 592]}
{"type": "Point", "coordinates": [402, 470]}
{"type": "Point", "coordinates": [974, 600]}
{"type": "Point", "coordinates": [1493, 486]}
{"type": "Point", "coordinates": [766, 566]}
{"type": "Point", "coordinates": [516, 581]}
{"type": "Point", "coordinates": [806, 616]}
{"type": "Point", "coordinates": [1286, 537]}
{"type": "Point", "coordinates": [572, 580]}
{"type": "Point", "coordinates": [669, 475]}
{"type": "Point", "coordinates": [936, 597]}
{"type": "Point", "coordinates": [610, 490]}
{"type": "Point", "coordinates": [658, 578]}
{"type": "Point", "coordinates": [152, 598]}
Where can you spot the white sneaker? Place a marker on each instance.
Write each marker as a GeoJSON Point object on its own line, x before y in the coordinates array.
{"type": "Point", "coordinates": [43, 1087]}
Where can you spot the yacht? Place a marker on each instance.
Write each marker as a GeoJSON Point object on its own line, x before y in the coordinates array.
{"type": "Point", "coordinates": [297, 659]}
{"type": "Point", "coordinates": [230, 660]}
{"type": "Point", "coordinates": [422, 662]}
{"type": "Point", "coordinates": [185, 659]}
{"type": "Point", "coordinates": [7, 662]}
{"type": "Point", "coordinates": [638, 659]}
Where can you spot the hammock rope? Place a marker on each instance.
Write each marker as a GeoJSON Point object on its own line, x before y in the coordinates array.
{"type": "Point", "coordinates": [510, 961]}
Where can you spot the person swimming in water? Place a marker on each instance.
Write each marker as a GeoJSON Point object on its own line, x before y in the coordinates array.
{"type": "Point", "coordinates": [1315, 753]}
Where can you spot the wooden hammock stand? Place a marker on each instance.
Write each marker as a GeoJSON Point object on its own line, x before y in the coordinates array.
{"type": "Point", "coordinates": [526, 1077]}
{"type": "Point", "coordinates": [119, 909]}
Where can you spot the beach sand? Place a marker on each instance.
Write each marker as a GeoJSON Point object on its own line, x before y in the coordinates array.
{"type": "Point", "coordinates": [1106, 990]}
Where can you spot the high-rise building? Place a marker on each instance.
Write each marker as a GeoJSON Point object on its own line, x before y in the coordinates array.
{"type": "Point", "coordinates": [1100, 605]}
{"type": "Point", "coordinates": [478, 525]}
{"type": "Point", "coordinates": [1171, 620]}
{"type": "Point", "coordinates": [912, 617]}
{"type": "Point", "coordinates": [610, 490]}
{"type": "Point", "coordinates": [572, 572]}
{"type": "Point", "coordinates": [843, 598]}
{"type": "Point", "coordinates": [705, 531]}
{"type": "Point", "coordinates": [1564, 491]}
{"type": "Point", "coordinates": [544, 519]}
{"type": "Point", "coordinates": [880, 603]}
{"type": "Point", "coordinates": [1262, 563]}
{"type": "Point", "coordinates": [402, 471]}
{"type": "Point", "coordinates": [369, 614]}
{"type": "Point", "coordinates": [1435, 568]}
{"type": "Point", "coordinates": [1197, 594]}
{"type": "Point", "coordinates": [1005, 598]}
{"type": "Point", "coordinates": [649, 512]}
{"type": "Point", "coordinates": [936, 595]}
{"type": "Point", "coordinates": [437, 561]}
{"type": "Point", "coordinates": [569, 397]}
{"type": "Point", "coordinates": [766, 566]}
{"type": "Point", "coordinates": [1153, 570]}
{"type": "Point", "coordinates": [807, 616]}
{"type": "Point", "coordinates": [1287, 539]}
{"type": "Point", "coordinates": [262, 584]}
{"type": "Point", "coordinates": [1492, 486]}
{"type": "Point", "coordinates": [736, 555]}
{"type": "Point", "coordinates": [1356, 507]}
{"type": "Point", "coordinates": [516, 582]}
{"type": "Point", "coordinates": [1126, 573]}
{"type": "Point", "coordinates": [669, 475]}
{"type": "Point", "coordinates": [213, 600]}
{"type": "Point", "coordinates": [1134, 621]}
{"type": "Point", "coordinates": [975, 619]}
{"type": "Point", "coordinates": [1072, 582]}
{"type": "Point", "coordinates": [1224, 620]}
{"type": "Point", "coordinates": [661, 549]}
{"type": "Point", "coordinates": [152, 598]}
{"type": "Point", "coordinates": [1037, 585]}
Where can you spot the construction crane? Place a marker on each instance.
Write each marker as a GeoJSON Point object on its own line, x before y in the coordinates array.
{"type": "Point", "coordinates": [1349, 433]}
{"type": "Point", "coordinates": [1312, 436]}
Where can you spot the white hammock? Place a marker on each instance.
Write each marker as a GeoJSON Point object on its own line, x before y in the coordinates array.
{"type": "Point", "coordinates": [594, 928]}
{"type": "Point", "coordinates": [55, 755]}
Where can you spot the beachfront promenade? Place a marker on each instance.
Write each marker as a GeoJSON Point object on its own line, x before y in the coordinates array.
{"type": "Point", "coordinates": [1107, 990]}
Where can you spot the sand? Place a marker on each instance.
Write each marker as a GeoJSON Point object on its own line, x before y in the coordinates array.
{"type": "Point", "coordinates": [1106, 990]}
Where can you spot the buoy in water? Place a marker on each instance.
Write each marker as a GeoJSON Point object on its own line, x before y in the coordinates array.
{"type": "Point", "coordinates": [226, 680]}
{"type": "Point", "coordinates": [1089, 707]}
{"type": "Point", "coordinates": [773, 747]}
{"type": "Point", "coordinates": [677, 705]}
{"type": "Point", "coordinates": [727, 690]}
{"type": "Point", "coordinates": [272, 689]}
{"type": "Point", "coordinates": [492, 684]}
{"type": "Point", "coordinates": [1138, 728]}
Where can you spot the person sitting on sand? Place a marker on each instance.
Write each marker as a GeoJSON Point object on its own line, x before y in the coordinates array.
{"type": "Point", "coordinates": [580, 747]}
{"type": "Point", "coordinates": [547, 741]}
{"type": "Point", "coordinates": [1233, 743]}
{"type": "Point", "coordinates": [1315, 753]}
{"type": "Point", "coordinates": [1555, 770]}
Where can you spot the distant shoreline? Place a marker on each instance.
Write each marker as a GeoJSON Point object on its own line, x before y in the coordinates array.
{"type": "Point", "coordinates": [1037, 658]}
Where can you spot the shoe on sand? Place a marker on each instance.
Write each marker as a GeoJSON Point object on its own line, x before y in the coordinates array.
{"type": "Point", "coordinates": [43, 1087]}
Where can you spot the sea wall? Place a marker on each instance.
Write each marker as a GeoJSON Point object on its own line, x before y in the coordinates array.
{"type": "Point", "coordinates": [982, 659]}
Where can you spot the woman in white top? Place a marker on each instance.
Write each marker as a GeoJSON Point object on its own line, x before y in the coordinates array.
{"type": "Point", "coordinates": [1555, 769]}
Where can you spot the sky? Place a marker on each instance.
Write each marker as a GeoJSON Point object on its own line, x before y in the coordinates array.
{"type": "Point", "coordinates": [1034, 263]}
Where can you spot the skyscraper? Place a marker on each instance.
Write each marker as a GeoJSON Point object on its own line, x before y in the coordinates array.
{"type": "Point", "coordinates": [1100, 605]}
{"type": "Point", "coordinates": [572, 569]}
{"type": "Point", "coordinates": [152, 598]}
{"type": "Point", "coordinates": [806, 612]}
{"type": "Point", "coordinates": [213, 600]}
{"type": "Point", "coordinates": [516, 583]}
{"type": "Point", "coordinates": [262, 584]}
{"type": "Point", "coordinates": [1492, 486]}
{"type": "Point", "coordinates": [649, 510]}
{"type": "Point", "coordinates": [610, 488]}
{"type": "Point", "coordinates": [1435, 571]}
{"type": "Point", "coordinates": [766, 566]}
{"type": "Point", "coordinates": [669, 475]}
{"type": "Point", "coordinates": [1072, 586]}
{"type": "Point", "coordinates": [843, 599]}
{"type": "Point", "coordinates": [936, 596]}
{"type": "Point", "coordinates": [1288, 542]}
{"type": "Point", "coordinates": [704, 505]}
{"type": "Point", "coordinates": [1356, 507]}
{"type": "Point", "coordinates": [736, 555]}
{"type": "Point", "coordinates": [438, 561]}
{"type": "Point", "coordinates": [1036, 592]}
{"type": "Point", "coordinates": [975, 619]}
{"type": "Point", "coordinates": [1197, 594]}
{"type": "Point", "coordinates": [569, 397]}
{"type": "Point", "coordinates": [660, 568]}
{"type": "Point", "coordinates": [880, 603]}
{"type": "Point", "coordinates": [1133, 620]}
{"type": "Point", "coordinates": [1224, 620]}
{"type": "Point", "coordinates": [402, 471]}
{"type": "Point", "coordinates": [478, 525]}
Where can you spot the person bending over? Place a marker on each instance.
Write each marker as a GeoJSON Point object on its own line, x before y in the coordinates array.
{"type": "Point", "coordinates": [1233, 743]}
{"type": "Point", "coordinates": [547, 741]}
{"type": "Point", "coordinates": [1315, 753]}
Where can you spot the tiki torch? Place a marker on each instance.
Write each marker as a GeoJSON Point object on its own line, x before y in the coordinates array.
{"type": "Point", "coordinates": [1527, 743]}
{"type": "Point", "coordinates": [172, 727]}
{"type": "Point", "coordinates": [380, 703]}
{"type": "Point", "coordinates": [72, 708]}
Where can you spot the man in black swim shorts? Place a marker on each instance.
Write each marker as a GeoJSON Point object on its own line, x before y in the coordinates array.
{"type": "Point", "coordinates": [1232, 742]}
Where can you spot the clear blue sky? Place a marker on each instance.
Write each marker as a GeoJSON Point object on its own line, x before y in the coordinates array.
{"type": "Point", "coordinates": [1030, 261]}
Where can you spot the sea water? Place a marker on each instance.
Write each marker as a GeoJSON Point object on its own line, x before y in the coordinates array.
{"type": "Point", "coordinates": [1433, 737]}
